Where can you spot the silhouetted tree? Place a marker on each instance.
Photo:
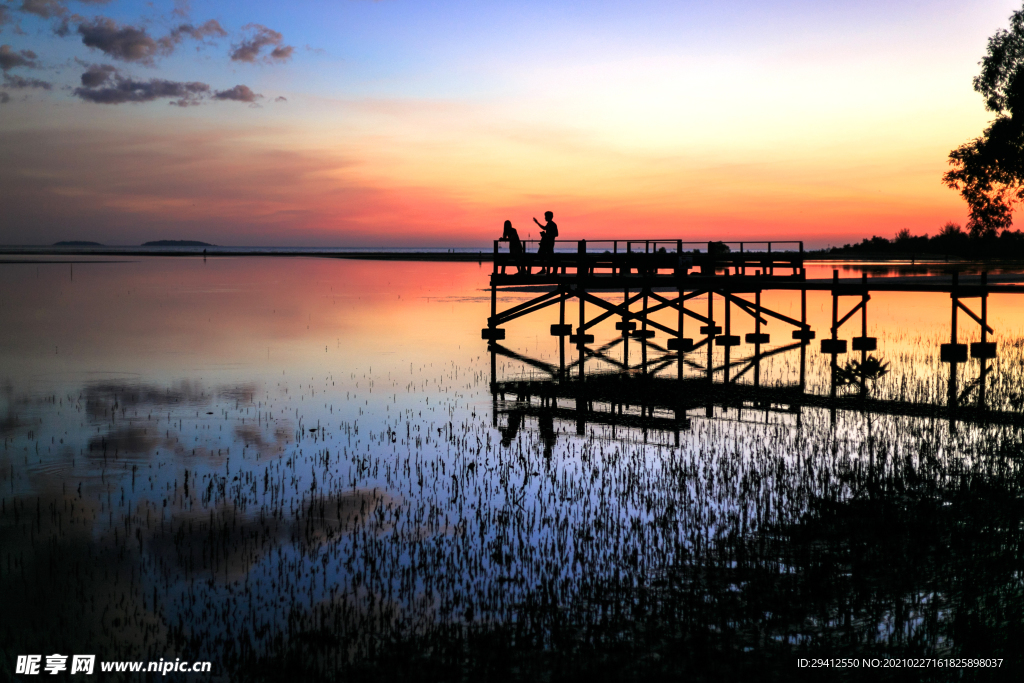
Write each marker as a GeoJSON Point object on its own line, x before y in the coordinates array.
{"type": "Point", "coordinates": [989, 171]}
{"type": "Point", "coordinates": [951, 230]}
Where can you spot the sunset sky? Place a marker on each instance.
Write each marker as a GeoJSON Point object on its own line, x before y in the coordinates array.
{"type": "Point", "coordinates": [417, 123]}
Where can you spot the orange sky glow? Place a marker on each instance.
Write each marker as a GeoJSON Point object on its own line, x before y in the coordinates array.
{"type": "Point", "coordinates": [825, 126]}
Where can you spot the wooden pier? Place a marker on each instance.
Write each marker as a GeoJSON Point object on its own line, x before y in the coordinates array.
{"type": "Point", "coordinates": [627, 281]}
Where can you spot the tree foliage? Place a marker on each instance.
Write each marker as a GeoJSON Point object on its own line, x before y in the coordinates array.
{"type": "Point", "coordinates": [989, 170]}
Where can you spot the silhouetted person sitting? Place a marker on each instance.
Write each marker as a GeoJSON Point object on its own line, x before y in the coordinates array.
{"type": "Point", "coordinates": [548, 233]}
{"type": "Point", "coordinates": [515, 248]}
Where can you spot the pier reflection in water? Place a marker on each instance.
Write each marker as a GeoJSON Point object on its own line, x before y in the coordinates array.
{"type": "Point", "coordinates": [366, 499]}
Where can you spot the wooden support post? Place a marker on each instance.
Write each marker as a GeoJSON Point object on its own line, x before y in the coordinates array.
{"type": "Point", "coordinates": [581, 270]}
{"type": "Point", "coordinates": [494, 385]}
{"type": "Point", "coordinates": [835, 303]}
{"type": "Point", "coordinates": [492, 332]}
{"type": "Point", "coordinates": [625, 328]}
{"type": "Point", "coordinates": [494, 289]}
{"type": "Point", "coordinates": [952, 397]}
{"type": "Point", "coordinates": [709, 346]}
{"type": "Point", "coordinates": [643, 336]}
{"type": "Point", "coordinates": [955, 300]}
{"type": "Point", "coordinates": [679, 348]}
{"type": "Point", "coordinates": [757, 343]}
{"type": "Point", "coordinates": [863, 327]}
{"type": "Point", "coordinates": [561, 337]}
{"type": "Point", "coordinates": [803, 346]}
{"type": "Point", "coordinates": [728, 338]}
{"type": "Point", "coordinates": [494, 306]}
{"type": "Point", "coordinates": [984, 340]}
{"type": "Point", "coordinates": [864, 309]}
{"type": "Point", "coordinates": [835, 330]}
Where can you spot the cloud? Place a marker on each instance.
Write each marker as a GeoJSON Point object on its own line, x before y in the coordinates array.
{"type": "Point", "coordinates": [10, 59]}
{"type": "Point", "coordinates": [12, 81]}
{"type": "Point", "coordinates": [97, 74]}
{"type": "Point", "coordinates": [182, 8]}
{"type": "Point", "coordinates": [5, 16]}
{"type": "Point", "coordinates": [126, 90]}
{"type": "Point", "coordinates": [240, 93]}
{"type": "Point", "coordinates": [210, 29]}
{"type": "Point", "coordinates": [126, 43]}
{"type": "Point", "coordinates": [249, 50]}
{"type": "Point", "coordinates": [280, 98]}
{"type": "Point", "coordinates": [46, 9]}
{"type": "Point", "coordinates": [4, 98]}
{"type": "Point", "coordinates": [283, 52]}
{"type": "Point", "coordinates": [104, 84]}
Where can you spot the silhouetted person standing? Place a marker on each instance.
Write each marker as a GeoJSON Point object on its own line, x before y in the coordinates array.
{"type": "Point", "coordinates": [548, 435]}
{"type": "Point", "coordinates": [515, 247]}
{"type": "Point", "coordinates": [548, 233]}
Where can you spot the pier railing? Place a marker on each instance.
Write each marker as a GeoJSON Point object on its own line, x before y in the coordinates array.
{"type": "Point", "coordinates": [649, 258]}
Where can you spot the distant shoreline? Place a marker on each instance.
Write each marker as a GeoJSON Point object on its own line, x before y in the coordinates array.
{"type": "Point", "coordinates": [460, 256]}
{"type": "Point", "coordinates": [463, 256]}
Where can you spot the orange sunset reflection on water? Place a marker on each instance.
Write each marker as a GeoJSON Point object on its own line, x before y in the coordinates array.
{"type": "Point", "coordinates": [170, 319]}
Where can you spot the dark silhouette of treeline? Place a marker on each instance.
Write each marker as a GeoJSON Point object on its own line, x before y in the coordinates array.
{"type": "Point", "coordinates": [952, 240]}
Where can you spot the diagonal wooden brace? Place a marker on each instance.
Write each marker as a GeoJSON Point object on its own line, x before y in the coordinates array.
{"type": "Point", "coordinates": [509, 353]}
{"type": "Point", "coordinates": [743, 303]}
{"type": "Point", "coordinates": [620, 309]}
{"type": "Point", "coordinates": [863, 302]}
{"type": "Point", "coordinates": [973, 316]}
{"type": "Point", "coordinates": [745, 306]}
{"type": "Point", "coordinates": [639, 315]}
{"type": "Point", "coordinates": [530, 306]}
{"type": "Point", "coordinates": [675, 304]}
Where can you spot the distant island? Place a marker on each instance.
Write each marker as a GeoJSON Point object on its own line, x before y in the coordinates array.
{"type": "Point", "coordinates": [177, 243]}
{"type": "Point", "coordinates": [76, 243]}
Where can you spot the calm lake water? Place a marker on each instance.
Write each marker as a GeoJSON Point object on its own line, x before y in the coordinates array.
{"type": "Point", "coordinates": [298, 467]}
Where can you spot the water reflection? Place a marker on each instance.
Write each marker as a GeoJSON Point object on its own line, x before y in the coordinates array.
{"type": "Point", "coordinates": [366, 498]}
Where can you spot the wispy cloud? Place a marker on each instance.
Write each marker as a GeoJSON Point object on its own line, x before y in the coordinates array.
{"type": "Point", "coordinates": [125, 43]}
{"type": "Point", "coordinates": [211, 29]}
{"type": "Point", "coordinates": [133, 42]}
{"type": "Point", "coordinates": [20, 82]}
{"type": "Point", "coordinates": [128, 90]}
{"type": "Point", "coordinates": [249, 50]}
{"type": "Point", "coordinates": [239, 93]}
{"type": "Point", "coordinates": [105, 84]}
{"type": "Point", "coordinates": [48, 9]}
{"type": "Point", "coordinates": [97, 74]}
{"type": "Point", "coordinates": [182, 8]}
{"type": "Point", "coordinates": [11, 59]}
